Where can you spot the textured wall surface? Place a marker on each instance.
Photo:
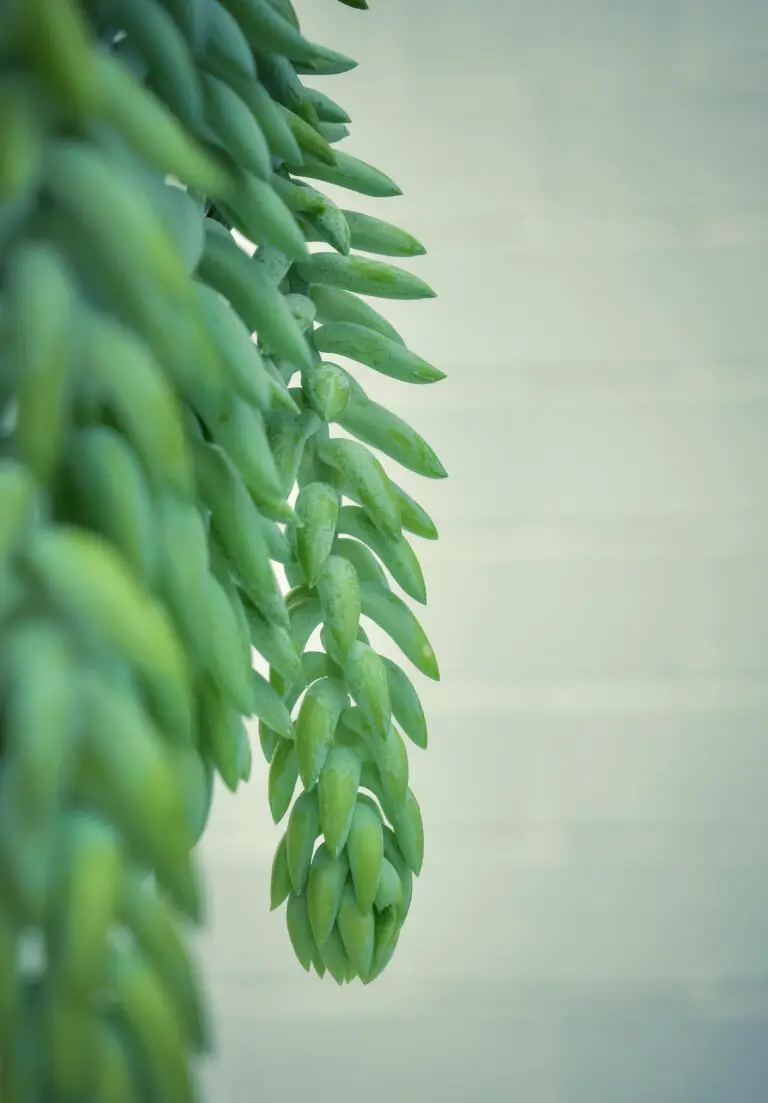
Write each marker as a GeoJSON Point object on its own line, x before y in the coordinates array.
{"type": "Point", "coordinates": [591, 926]}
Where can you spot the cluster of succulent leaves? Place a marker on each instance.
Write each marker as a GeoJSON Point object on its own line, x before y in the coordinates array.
{"type": "Point", "coordinates": [192, 486]}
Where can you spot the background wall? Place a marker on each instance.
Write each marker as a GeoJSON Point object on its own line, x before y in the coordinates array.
{"type": "Point", "coordinates": [591, 925]}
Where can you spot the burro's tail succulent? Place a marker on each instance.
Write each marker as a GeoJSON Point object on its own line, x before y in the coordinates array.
{"type": "Point", "coordinates": [176, 436]}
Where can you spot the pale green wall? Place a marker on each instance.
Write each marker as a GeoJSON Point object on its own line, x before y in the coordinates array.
{"type": "Point", "coordinates": [592, 922]}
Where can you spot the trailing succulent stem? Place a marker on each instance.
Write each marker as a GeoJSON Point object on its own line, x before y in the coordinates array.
{"type": "Point", "coordinates": [176, 435]}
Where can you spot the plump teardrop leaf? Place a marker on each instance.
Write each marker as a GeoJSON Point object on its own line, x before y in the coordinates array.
{"type": "Point", "coordinates": [365, 850]}
{"type": "Point", "coordinates": [406, 706]}
{"type": "Point", "coordinates": [395, 618]}
{"type": "Point", "coordinates": [338, 588]}
{"type": "Point", "coordinates": [368, 683]}
{"type": "Point", "coordinates": [303, 829]}
{"type": "Point", "coordinates": [280, 880]}
{"type": "Point", "coordinates": [357, 929]}
{"type": "Point", "coordinates": [325, 884]}
{"type": "Point", "coordinates": [315, 725]}
{"type": "Point", "coordinates": [283, 775]}
{"type": "Point", "coordinates": [376, 351]}
{"type": "Point", "coordinates": [363, 276]}
{"type": "Point", "coordinates": [317, 508]}
{"type": "Point", "coordinates": [337, 793]}
{"type": "Point", "coordinates": [299, 930]}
